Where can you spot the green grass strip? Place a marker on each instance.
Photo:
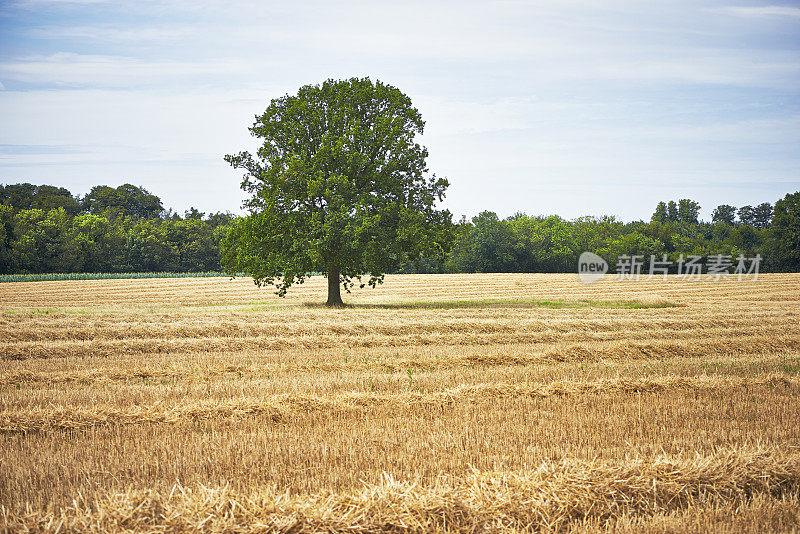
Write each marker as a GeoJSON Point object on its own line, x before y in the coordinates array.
{"type": "Point", "coordinates": [7, 278]}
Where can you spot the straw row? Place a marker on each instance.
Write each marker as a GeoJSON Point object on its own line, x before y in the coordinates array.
{"type": "Point", "coordinates": [554, 497]}
{"type": "Point", "coordinates": [562, 348]}
{"type": "Point", "coordinates": [280, 407]}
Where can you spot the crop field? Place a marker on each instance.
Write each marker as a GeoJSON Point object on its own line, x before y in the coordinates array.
{"type": "Point", "coordinates": [452, 403]}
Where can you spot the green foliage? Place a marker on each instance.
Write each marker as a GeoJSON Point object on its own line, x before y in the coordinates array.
{"type": "Point", "coordinates": [762, 215]}
{"type": "Point", "coordinates": [42, 197]}
{"type": "Point", "coordinates": [542, 244]}
{"type": "Point", "coordinates": [193, 244]}
{"type": "Point", "coordinates": [631, 244]}
{"type": "Point", "coordinates": [688, 211]}
{"type": "Point", "coordinates": [119, 231]}
{"type": "Point", "coordinates": [43, 242]}
{"type": "Point", "coordinates": [725, 214]}
{"type": "Point", "coordinates": [672, 211]}
{"type": "Point", "coordinates": [96, 241]}
{"type": "Point", "coordinates": [124, 201]}
{"type": "Point", "coordinates": [758, 217]}
{"type": "Point", "coordinates": [785, 233]}
{"type": "Point", "coordinates": [6, 278]}
{"type": "Point", "coordinates": [661, 215]}
{"type": "Point", "coordinates": [339, 185]}
{"type": "Point", "coordinates": [487, 245]}
{"type": "Point", "coordinates": [18, 196]}
{"type": "Point", "coordinates": [522, 243]}
{"type": "Point", "coordinates": [37, 241]}
{"type": "Point", "coordinates": [6, 239]}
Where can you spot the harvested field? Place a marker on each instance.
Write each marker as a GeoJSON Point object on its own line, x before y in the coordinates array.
{"type": "Point", "coordinates": [456, 403]}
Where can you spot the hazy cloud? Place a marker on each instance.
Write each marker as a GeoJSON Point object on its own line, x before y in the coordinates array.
{"type": "Point", "coordinates": [765, 11]}
{"type": "Point", "coordinates": [67, 68]}
{"type": "Point", "coordinates": [113, 33]}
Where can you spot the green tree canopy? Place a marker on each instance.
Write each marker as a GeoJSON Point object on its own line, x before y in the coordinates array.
{"type": "Point", "coordinates": [125, 200]}
{"type": "Point", "coordinates": [6, 239]}
{"type": "Point", "coordinates": [725, 214]}
{"type": "Point", "coordinates": [40, 197]}
{"type": "Point", "coordinates": [18, 196]}
{"type": "Point", "coordinates": [339, 186]}
{"type": "Point", "coordinates": [672, 211]}
{"type": "Point", "coordinates": [762, 215]}
{"type": "Point", "coordinates": [746, 215]}
{"type": "Point", "coordinates": [786, 233]}
{"type": "Point", "coordinates": [688, 211]}
{"type": "Point", "coordinates": [661, 215]}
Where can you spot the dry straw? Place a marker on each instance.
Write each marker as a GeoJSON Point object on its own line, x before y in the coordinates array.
{"type": "Point", "coordinates": [554, 497]}
{"type": "Point", "coordinates": [279, 406]}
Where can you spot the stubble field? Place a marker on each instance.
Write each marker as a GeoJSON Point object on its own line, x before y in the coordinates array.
{"type": "Point", "coordinates": [434, 403]}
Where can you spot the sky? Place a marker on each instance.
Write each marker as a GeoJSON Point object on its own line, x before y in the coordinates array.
{"type": "Point", "coordinates": [567, 107]}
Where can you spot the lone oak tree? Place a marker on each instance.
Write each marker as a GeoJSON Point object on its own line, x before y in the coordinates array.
{"type": "Point", "coordinates": [338, 186]}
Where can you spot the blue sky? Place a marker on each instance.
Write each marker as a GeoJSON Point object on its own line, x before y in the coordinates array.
{"type": "Point", "coordinates": [569, 107]}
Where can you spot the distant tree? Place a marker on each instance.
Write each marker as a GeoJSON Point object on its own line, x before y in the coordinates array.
{"type": "Point", "coordinates": [460, 258]}
{"type": "Point", "coordinates": [138, 202]}
{"type": "Point", "coordinates": [672, 211]}
{"type": "Point", "coordinates": [97, 242]}
{"type": "Point", "coordinates": [724, 214]}
{"type": "Point", "coordinates": [146, 248]}
{"type": "Point", "coordinates": [632, 244]}
{"type": "Point", "coordinates": [99, 199]}
{"type": "Point", "coordinates": [542, 244]}
{"type": "Point", "coordinates": [664, 233]}
{"type": "Point", "coordinates": [170, 215]}
{"type": "Point", "coordinates": [719, 233]}
{"type": "Point", "coordinates": [125, 200]}
{"type": "Point", "coordinates": [192, 241]}
{"type": "Point", "coordinates": [220, 219]}
{"type": "Point", "coordinates": [48, 197]}
{"type": "Point", "coordinates": [18, 196]}
{"type": "Point", "coordinates": [762, 215]}
{"type": "Point", "coordinates": [42, 243]}
{"type": "Point", "coordinates": [492, 244]}
{"type": "Point", "coordinates": [193, 213]}
{"type": "Point", "coordinates": [747, 215]}
{"type": "Point", "coordinates": [6, 239]}
{"type": "Point", "coordinates": [661, 214]}
{"type": "Point", "coordinates": [40, 197]}
{"type": "Point", "coordinates": [688, 211]}
{"type": "Point", "coordinates": [746, 240]}
{"type": "Point", "coordinates": [338, 186]}
{"type": "Point", "coordinates": [593, 233]}
{"type": "Point", "coordinates": [785, 230]}
{"type": "Point", "coordinates": [758, 217]}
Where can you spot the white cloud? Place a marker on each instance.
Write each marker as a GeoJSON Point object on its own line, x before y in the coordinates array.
{"type": "Point", "coordinates": [448, 117]}
{"type": "Point", "coordinates": [742, 68]}
{"type": "Point", "coordinates": [765, 11]}
{"type": "Point", "coordinates": [69, 69]}
{"type": "Point", "coordinates": [113, 33]}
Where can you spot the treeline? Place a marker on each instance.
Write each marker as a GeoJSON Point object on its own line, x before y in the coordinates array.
{"type": "Point", "coordinates": [523, 243]}
{"type": "Point", "coordinates": [46, 229]}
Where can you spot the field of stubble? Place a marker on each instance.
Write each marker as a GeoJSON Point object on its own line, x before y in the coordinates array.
{"type": "Point", "coordinates": [436, 403]}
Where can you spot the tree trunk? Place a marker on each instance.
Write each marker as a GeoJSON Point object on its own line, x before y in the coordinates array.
{"type": "Point", "coordinates": [334, 288]}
